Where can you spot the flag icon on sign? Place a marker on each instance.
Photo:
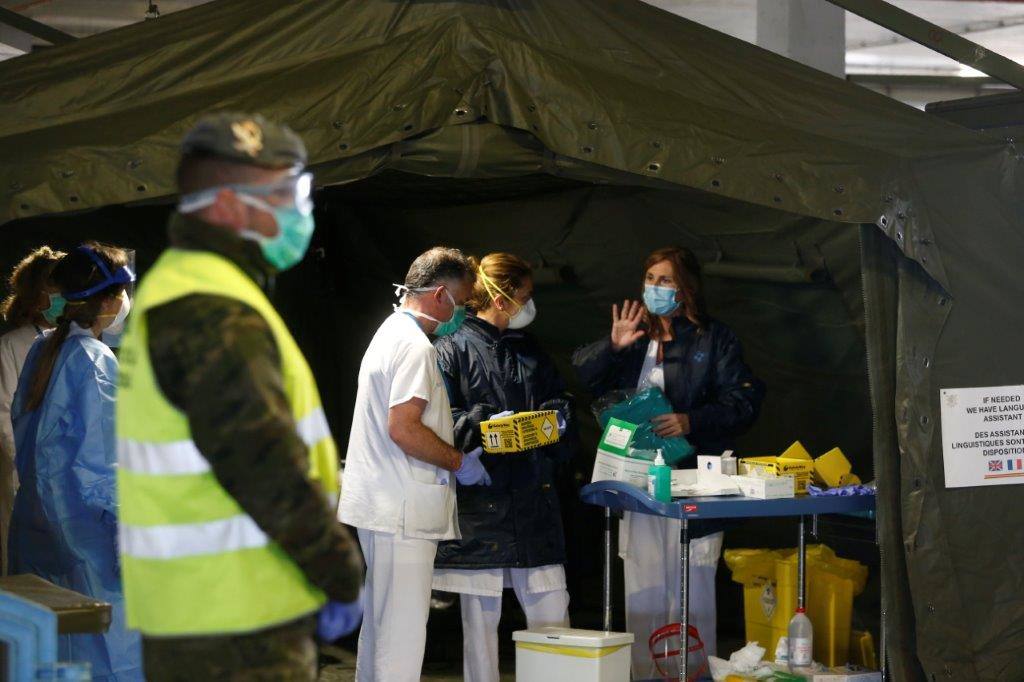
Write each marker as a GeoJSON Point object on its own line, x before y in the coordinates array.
{"type": "Point", "coordinates": [995, 465]}
{"type": "Point", "coordinates": [1014, 465]}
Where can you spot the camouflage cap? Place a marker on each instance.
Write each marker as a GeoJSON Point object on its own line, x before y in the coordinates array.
{"type": "Point", "coordinates": [245, 138]}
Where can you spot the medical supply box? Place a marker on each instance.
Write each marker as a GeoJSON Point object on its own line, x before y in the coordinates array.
{"type": "Point", "coordinates": [833, 469]}
{"type": "Point", "coordinates": [553, 654]}
{"type": "Point", "coordinates": [520, 432]}
{"type": "Point", "coordinates": [766, 487]}
{"type": "Point", "coordinates": [795, 462]}
{"type": "Point", "coordinates": [846, 674]}
{"type": "Point", "coordinates": [614, 461]}
{"type": "Point", "coordinates": [723, 465]}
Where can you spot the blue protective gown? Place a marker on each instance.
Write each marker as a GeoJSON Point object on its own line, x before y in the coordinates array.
{"type": "Point", "coordinates": [64, 525]}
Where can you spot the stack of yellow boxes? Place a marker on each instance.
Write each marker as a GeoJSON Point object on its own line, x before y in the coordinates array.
{"type": "Point", "coordinates": [795, 462]}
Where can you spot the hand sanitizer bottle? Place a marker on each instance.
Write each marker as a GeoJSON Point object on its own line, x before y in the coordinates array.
{"type": "Point", "coordinates": [659, 479]}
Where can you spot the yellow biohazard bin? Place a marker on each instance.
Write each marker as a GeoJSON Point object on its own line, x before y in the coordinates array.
{"type": "Point", "coordinates": [769, 579]}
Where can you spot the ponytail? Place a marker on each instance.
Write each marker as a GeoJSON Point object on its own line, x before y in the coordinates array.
{"type": "Point", "coordinates": [44, 366]}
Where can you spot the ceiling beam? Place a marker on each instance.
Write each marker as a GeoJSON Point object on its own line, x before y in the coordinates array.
{"type": "Point", "coordinates": [937, 38]}
{"type": "Point", "coordinates": [961, 30]}
{"type": "Point", "coordinates": [34, 28]}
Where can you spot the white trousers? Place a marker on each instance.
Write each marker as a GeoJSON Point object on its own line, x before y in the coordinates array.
{"type": "Point", "coordinates": [480, 616]}
{"type": "Point", "coordinates": [397, 603]}
{"type": "Point", "coordinates": [649, 547]}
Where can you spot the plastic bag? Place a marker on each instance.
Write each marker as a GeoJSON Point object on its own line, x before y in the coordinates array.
{"type": "Point", "coordinates": [639, 407]}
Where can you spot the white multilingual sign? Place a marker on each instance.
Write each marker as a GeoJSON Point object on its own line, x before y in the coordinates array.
{"type": "Point", "coordinates": [983, 435]}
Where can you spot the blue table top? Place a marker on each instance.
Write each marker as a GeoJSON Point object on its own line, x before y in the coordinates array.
{"type": "Point", "coordinates": [621, 496]}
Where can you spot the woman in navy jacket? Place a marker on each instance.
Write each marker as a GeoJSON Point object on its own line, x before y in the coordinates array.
{"type": "Point", "coordinates": [669, 341]}
{"type": "Point", "coordinates": [512, 529]}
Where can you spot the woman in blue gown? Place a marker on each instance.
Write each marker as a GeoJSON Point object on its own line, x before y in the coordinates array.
{"type": "Point", "coordinates": [64, 524]}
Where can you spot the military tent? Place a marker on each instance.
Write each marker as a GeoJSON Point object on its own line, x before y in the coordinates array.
{"type": "Point", "coordinates": [865, 252]}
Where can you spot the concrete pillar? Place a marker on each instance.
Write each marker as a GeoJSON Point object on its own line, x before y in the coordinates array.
{"type": "Point", "coordinates": [812, 32]}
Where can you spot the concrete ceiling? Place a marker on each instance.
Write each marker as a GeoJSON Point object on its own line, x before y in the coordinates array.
{"type": "Point", "coordinates": [872, 52]}
{"type": "Point", "coordinates": [998, 26]}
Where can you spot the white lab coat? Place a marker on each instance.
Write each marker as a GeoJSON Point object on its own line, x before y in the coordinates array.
{"type": "Point", "coordinates": [541, 592]}
{"type": "Point", "coordinates": [401, 506]}
{"type": "Point", "coordinates": [649, 547]}
{"type": "Point", "coordinates": [14, 347]}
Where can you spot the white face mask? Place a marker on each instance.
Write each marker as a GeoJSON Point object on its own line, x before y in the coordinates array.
{"type": "Point", "coordinates": [117, 325]}
{"type": "Point", "coordinates": [111, 335]}
{"type": "Point", "coordinates": [524, 317]}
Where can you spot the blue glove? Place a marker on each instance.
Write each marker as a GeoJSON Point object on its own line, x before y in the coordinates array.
{"type": "Point", "coordinates": [506, 413]}
{"type": "Point", "coordinates": [336, 620]}
{"type": "Point", "coordinates": [561, 423]}
{"type": "Point", "coordinates": [472, 472]}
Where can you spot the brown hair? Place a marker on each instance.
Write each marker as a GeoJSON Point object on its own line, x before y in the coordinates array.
{"type": "Point", "coordinates": [686, 273]}
{"type": "Point", "coordinates": [75, 272]}
{"type": "Point", "coordinates": [27, 283]}
{"type": "Point", "coordinates": [497, 274]}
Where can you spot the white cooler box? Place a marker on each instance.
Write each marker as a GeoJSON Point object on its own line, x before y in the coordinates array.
{"type": "Point", "coordinates": [567, 655]}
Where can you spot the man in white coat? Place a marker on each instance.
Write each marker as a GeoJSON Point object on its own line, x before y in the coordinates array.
{"type": "Point", "coordinates": [401, 468]}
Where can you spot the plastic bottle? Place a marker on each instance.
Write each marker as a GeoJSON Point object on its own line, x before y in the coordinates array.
{"type": "Point", "coordinates": [659, 479]}
{"type": "Point", "coordinates": [801, 640]}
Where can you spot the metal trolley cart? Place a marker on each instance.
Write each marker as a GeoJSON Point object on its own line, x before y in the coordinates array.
{"type": "Point", "coordinates": [620, 496]}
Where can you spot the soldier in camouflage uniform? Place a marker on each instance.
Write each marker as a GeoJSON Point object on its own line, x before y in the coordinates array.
{"type": "Point", "coordinates": [216, 360]}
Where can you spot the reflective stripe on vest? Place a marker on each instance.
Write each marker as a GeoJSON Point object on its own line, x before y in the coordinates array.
{"type": "Point", "coordinates": [193, 562]}
{"type": "Point", "coordinates": [183, 457]}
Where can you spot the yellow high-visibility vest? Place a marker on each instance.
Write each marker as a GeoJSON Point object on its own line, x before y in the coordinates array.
{"type": "Point", "coordinates": [193, 562]}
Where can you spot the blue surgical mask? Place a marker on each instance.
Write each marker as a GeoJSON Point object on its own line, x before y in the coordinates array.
{"type": "Point", "coordinates": [56, 309]}
{"type": "Point", "coordinates": [660, 300]}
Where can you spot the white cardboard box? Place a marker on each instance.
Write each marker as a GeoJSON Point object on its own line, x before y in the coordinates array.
{"type": "Point", "coordinates": [612, 467]}
{"type": "Point", "coordinates": [847, 675]}
{"type": "Point", "coordinates": [724, 464]}
{"type": "Point", "coordinates": [613, 462]}
{"type": "Point", "coordinates": [766, 488]}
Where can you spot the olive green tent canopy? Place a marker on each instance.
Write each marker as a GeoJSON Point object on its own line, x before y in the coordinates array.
{"type": "Point", "coordinates": [865, 252]}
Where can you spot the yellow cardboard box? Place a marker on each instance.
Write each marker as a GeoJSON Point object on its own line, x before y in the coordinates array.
{"type": "Point", "coordinates": [832, 468]}
{"type": "Point", "coordinates": [520, 432]}
{"type": "Point", "coordinates": [799, 469]}
{"type": "Point", "coordinates": [796, 451]}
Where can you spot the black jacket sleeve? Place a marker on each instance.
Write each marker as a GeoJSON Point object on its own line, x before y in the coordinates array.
{"type": "Point", "coordinates": [737, 393]}
{"type": "Point", "coordinates": [216, 360]}
{"type": "Point", "coordinates": [599, 367]}
{"type": "Point", "coordinates": [467, 417]}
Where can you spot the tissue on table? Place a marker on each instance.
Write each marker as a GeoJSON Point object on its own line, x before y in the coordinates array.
{"type": "Point", "coordinates": [747, 660]}
{"type": "Point", "coordinates": [691, 483]}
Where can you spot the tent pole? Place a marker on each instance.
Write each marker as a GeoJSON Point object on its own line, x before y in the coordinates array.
{"type": "Point", "coordinates": [34, 28]}
{"type": "Point", "coordinates": [937, 38]}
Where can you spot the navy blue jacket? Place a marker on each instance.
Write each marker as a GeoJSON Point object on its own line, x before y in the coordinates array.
{"type": "Point", "coordinates": [515, 522]}
{"type": "Point", "coordinates": [705, 377]}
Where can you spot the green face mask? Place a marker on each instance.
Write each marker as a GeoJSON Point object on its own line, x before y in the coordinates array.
{"type": "Point", "coordinates": [56, 309]}
{"type": "Point", "coordinates": [443, 328]}
{"type": "Point", "coordinates": [452, 325]}
{"type": "Point", "coordinates": [294, 216]}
